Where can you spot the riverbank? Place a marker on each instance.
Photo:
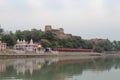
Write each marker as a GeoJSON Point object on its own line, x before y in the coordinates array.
{"type": "Point", "coordinates": [111, 54]}
{"type": "Point", "coordinates": [9, 53]}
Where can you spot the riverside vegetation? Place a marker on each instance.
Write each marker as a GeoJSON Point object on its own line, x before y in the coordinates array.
{"type": "Point", "coordinates": [48, 39]}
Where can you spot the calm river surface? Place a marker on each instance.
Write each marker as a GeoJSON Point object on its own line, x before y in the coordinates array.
{"type": "Point", "coordinates": [60, 69]}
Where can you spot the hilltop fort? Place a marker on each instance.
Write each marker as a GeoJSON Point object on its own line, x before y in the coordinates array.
{"type": "Point", "coordinates": [59, 32]}
{"type": "Point", "coordinates": [55, 31]}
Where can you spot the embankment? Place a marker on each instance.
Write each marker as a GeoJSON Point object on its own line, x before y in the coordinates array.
{"type": "Point", "coordinates": [12, 54]}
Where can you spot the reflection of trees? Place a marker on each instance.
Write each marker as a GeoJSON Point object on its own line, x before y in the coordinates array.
{"type": "Point", "coordinates": [108, 63]}
{"type": "Point", "coordinates": [56, 72]}
{"type": "Point", "coordinates": [10, 72]}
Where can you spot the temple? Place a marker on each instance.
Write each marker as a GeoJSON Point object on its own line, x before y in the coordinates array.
{"type": "Point", "coordinates": [3, 46]}
{"type": "Point", "coordinates": [21, 45]}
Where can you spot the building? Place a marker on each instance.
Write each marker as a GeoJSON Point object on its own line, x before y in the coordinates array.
{"type": "Point", "coordinates": [55, 31]}
{"type": "Point", "coordinates": [3, 46]}
{"type": "Point", "coordinates": [59, 32]}
{"type": "Point", "coordinates": [23, 45]}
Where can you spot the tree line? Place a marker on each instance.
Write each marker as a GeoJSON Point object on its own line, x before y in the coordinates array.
{"type": "Point", "coordinates": [48, 39]}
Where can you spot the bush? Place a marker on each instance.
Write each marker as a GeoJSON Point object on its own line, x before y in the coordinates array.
{"type": "Point", "coordinates": [99, 49]}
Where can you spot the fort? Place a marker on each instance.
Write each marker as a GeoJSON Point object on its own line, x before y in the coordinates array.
{"type": "Point", "coordinates": [59, 32]}
{"type": "Point", "coordinates": [55, 31]}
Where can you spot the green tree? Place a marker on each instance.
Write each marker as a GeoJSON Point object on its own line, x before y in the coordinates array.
{"type": "Point", "coordinates": [19, 35]}
{"type": "Point", "coordinates": [99, 49]}
{"type": "Point", "coordinates": [1, 32]}
{"type": "Point", "coordinates": [116, 45]}
{"type": "Point", "coordinates": [87, 44]}
{"type": "Point", "coordinates": [77, 42]}
{"type": "Point", "coordinates": [48, 35]}
{"type": "Point", "coordinates": [9, 39]}
{"type": "Point", "coordinates": [45, 43]}
{"type": "Point", "coordinates": [68, 45]}
{"type": "Point", "coordinates": [36, 35]}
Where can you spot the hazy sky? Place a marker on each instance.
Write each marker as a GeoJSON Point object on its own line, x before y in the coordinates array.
{"type": "Point", "coordinates": [86, 18]}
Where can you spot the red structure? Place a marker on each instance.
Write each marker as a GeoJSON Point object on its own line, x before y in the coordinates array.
{"type": "Point", "coordinates": [3, 46]}
{"type": "Point", "coordinates": [74, 61]}
{"type": "Point", "coordinates": [72, 50]}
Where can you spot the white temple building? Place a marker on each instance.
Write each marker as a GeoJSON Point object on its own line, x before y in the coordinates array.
{"type": "Point", "coordinates": [23, 45]}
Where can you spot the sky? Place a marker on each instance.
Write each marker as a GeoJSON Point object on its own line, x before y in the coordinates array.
{"type": "Point", "coordinates": [85, 18]}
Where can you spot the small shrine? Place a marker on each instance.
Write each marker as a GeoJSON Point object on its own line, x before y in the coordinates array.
{"type": "Point", "coordinates": [3, 46]}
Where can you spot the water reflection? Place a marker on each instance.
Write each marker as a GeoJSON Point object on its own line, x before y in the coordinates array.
{"type": "Point", "coordinates": [54, 68]}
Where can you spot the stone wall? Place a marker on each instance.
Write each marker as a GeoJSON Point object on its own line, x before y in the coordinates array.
{"type": "Point", "coordinates": [48, 28]}
{"type": "Point", "coordinates": [55, 31]}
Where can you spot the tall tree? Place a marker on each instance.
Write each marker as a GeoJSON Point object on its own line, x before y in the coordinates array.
{"type": "Point", "coordinates": [9, 39]}
{"type": "Point", "coordinates": [19, 35]}
{"type": "Point", "coordinates": [1, 32]}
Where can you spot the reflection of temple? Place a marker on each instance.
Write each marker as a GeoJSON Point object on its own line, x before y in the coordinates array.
{"type": "Point", "coordinates": [60, 71]}
{"type": "Point", "coordinates": [24, 66]}
{"type": "Point", "coordinates": [28, 66]}
{"type": "Point", "coordinates": [2, 67]}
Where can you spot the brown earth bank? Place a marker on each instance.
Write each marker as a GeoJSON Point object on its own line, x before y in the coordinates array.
{"type": "Point", "coordinates": [10, 53]}
{"type": "Point", "coordinates": [111, 54]}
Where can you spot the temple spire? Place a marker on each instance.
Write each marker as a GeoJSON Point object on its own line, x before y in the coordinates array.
{"type": "Point", "coordinates": [31, 42]}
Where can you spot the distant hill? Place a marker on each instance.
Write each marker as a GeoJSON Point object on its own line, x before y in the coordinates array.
{"type": "Point", "coordinates": [56, 38]}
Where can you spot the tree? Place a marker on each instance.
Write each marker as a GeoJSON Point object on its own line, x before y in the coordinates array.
{"type": "Point", "coordinates": [99, 49]}
{"type": "Point", "coordinates": [45, 43]}
{"type": "Point", "coordinates": [48, 35]}
{"type": "Point", "coordinates": [77, 42]}
{"type": "Point", "coordinates": [36, 35]}
{"type": "Point", "coordinates": [87, 44]}
{"type": "Point", "coordinates": [104, 46]}
{"type": "Point", "coordinates": [9, 39]}
{"type": "Point", "coordinates": [108, 46]}
{"type": "Point", "coordinates": [27, 35]}
{"type": "Point", "coordinates": [116, 45]}
{"type": "Point", "coordinates": [19, 35]}
{"type": "Point", "coordinates": [1, 32]}
{"type": "Point", "coordinates": [68, 45]}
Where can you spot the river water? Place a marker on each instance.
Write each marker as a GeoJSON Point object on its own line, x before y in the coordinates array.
{"type": "Point", "coordinates": [67, 68]}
